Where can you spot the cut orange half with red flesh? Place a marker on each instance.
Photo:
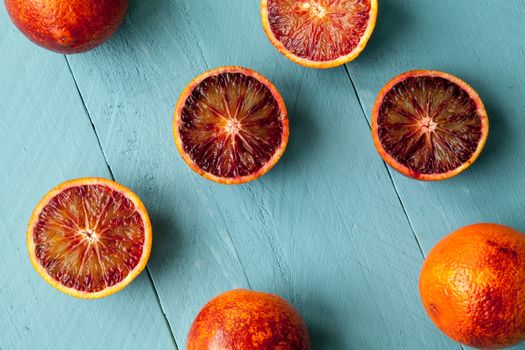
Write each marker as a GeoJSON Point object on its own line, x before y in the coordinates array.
{"type": "Point", "coordinates": [89, 237]}
{"type": "Point", "coordinates": [429, 125]}
{"type": "Point", "coordinates": [231, 125]}
{"type": "Point", "coordinates": [319, 33]}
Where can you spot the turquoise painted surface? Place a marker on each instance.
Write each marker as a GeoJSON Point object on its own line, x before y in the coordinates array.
{"type": "Point", "coordinates": [330, 228]}
{"type": "Point", "coordinates": [47, 138]}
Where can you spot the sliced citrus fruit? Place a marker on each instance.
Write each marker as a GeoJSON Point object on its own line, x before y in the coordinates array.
{"type": "Point", "coordinates": [319, 33]}
{"type": "Point", "coordinates": [429, 125]}
{"type": "Point", "coordinates": [231, 125]}
{"type": "Point", "coordinates": [89, 237]}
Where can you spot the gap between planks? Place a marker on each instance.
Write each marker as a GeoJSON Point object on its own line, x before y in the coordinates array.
{"type": "Point", "coordinates": [386, 166]}
{"type": "Point", "coordinates": [389, 172]}
{"type": "Point", "coordinates": [159, 302]}
{"type": "Point", "coordinates": [150, 278]}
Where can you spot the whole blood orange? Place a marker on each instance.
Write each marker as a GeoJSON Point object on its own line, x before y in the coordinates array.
{"type": "Point", "coordinates": [247, 320]}
{"type": "Point", "coordinates": [231, 125]}
{"type": "Point", "coordinates": [473, 286]}
{"type": "Point", "coordinates": [67, 26]}
{"type": "Point", "coordinates": [429, 125]}
{"type": "Point", "coordinates": [89, 237]}
{"type": "Point", "coordinates": [319, 33]}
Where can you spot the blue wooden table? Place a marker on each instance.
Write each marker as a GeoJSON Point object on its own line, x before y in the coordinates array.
{"type": "Point", "coordinates": [331, 228]}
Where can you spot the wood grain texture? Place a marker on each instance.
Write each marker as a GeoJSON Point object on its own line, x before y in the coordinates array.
{"type": "Point", "coordinates": [46, 139]}
{"type": "Point", "coordinates": [482, 42]}
{"type": "Point", "coordinates": [324, 228]}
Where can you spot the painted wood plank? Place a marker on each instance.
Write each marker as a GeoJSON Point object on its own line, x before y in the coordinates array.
{"type": "Point", "coordinates": [324, 228]}
{"type": "Point", "coordinates": [482, 42]}
{"type": "Point", "coordinates": [46, 139]}
{"type": "Point", "coordinates": [457, 37]}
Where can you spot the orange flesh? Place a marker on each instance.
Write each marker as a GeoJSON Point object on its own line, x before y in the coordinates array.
{"type": "Point", "coordinates": [320, 30]}
{"type": "Point", "coordinates": [231, 125]}
{"type": "Point", "coordinates": [89, 237]}
{"type": "Point", "coordinates": [429, 124]}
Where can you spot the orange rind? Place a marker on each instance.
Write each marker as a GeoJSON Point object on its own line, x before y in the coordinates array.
{"type": "Point", "coordinates": [429, 125]}
{"type": "Point", "coordinates": [319, 33]}
{"type": "Point", "coordinates": [89, 237]}
{"type": "Point", "coordinates": [231, 125]}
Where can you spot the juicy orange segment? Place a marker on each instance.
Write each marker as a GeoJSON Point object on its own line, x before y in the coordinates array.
{"type": "Point", "coordinates": [429, 125]}
{"type": "Point", "coordinates": [89, 237]}
{"type": "Point", "coordinates": [319, 33]}
{"type": "Point", "coordinates": [231, 125]}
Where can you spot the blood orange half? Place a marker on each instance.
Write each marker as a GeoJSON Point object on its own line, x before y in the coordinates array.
{"type": "Point", "coordinates": [231, 125]}
{"type": "Point", "coordinates": [429, 125]}
{"type": "Point", "coordinates": [89, 237]}
{"type": "Point", "coordinates": [319, 33]}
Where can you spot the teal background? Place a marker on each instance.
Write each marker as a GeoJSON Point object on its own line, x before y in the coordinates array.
{"type": "Point", "coordinates": [331, 228]}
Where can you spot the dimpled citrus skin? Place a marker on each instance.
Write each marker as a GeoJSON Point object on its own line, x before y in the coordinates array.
{"type": "Point", "coordinates": [473, 286]}
{"type": "Point", "coordinates": [67, 26]}
{"type": "Point", "coordinates": [247, 320]}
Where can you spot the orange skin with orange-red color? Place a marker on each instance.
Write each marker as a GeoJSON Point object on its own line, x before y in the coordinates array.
{"type": "Point", "coordinates": [248, 320]}
{"type": "Point", "coordinates": [67, 26]}
{"type": "Point", "coordinates": [403, 169]}
{"type": "Point", "coordinates": [88, 181]}
{"type": "Point", "coordinates": [473, 286]}
{"type": "Point", "coordinates": [177, 121]}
